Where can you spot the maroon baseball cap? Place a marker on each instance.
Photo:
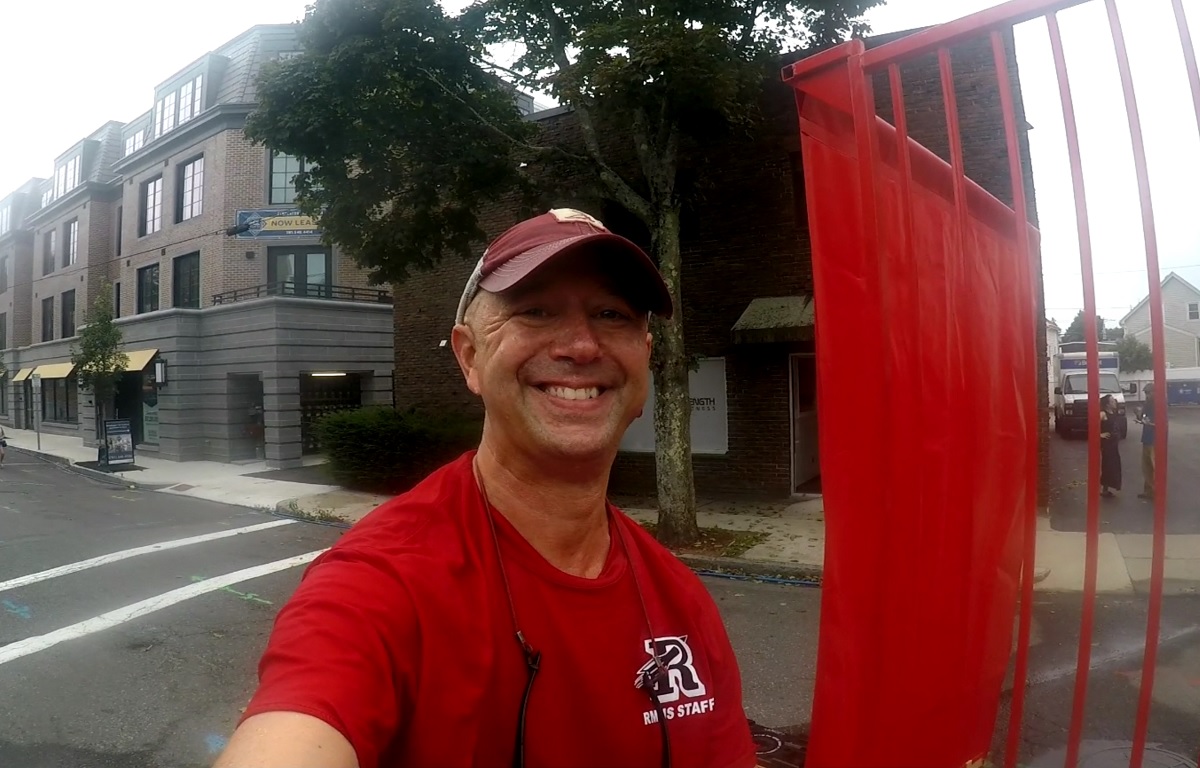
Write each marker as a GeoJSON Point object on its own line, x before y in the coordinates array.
{"type": "Point", "coordinates": [517, 253]}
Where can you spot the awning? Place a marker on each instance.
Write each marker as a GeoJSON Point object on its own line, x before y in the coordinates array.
{"type": "Point", "coordinates": [22, 374]}
{"type": "Point", "coordinates": [139, 359]}
{"type": "Point", "coordinates": [776, 319]}
{"type": "Point", "coordinates": [54, 370]}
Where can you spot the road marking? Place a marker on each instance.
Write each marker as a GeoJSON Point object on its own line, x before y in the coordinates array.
{"type": "Point", "coordinates": [125, 554]}
{"type": "Point", "coordinates": [21, 648]}
{"type": "Point", "coordinates": [232, 591]}
{"type": "Point", "coordinates": [17, 609]}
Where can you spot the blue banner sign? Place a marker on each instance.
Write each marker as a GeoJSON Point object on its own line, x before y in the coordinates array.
{"type": "Point", "coordinates": [276, 224]}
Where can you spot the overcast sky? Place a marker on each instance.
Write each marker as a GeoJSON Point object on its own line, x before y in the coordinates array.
{"type": "Point", "coordinates": [71, 65]}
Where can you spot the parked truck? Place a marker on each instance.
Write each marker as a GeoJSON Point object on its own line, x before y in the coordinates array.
{"type": "Point", "coordinates": [1071, 393]}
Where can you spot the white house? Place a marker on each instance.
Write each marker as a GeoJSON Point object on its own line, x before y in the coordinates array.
{"type": "Point", "coordinates": [1053, 332]}
{"type": "Point", "coordinates": [1181, 322]}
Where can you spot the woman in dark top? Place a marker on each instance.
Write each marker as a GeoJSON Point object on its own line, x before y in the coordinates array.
{"type": "Point", "coordinates": [1110, 448]}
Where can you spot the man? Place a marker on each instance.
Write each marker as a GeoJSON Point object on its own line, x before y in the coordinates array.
{"type": "Point", "coordinates": [1147, 422]}
{"type": "Point", "coordinates": [502, 613]}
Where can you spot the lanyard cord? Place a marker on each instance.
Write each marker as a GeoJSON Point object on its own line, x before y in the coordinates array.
{"type": "Point", "coordinates": [649, 680]}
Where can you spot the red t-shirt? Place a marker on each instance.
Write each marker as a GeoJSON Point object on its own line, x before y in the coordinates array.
{"type": "Point", "coordinates": [401, 638]}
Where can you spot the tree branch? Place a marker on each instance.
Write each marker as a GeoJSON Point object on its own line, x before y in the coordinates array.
{"type": "Point", "coordinates": [620, 189]}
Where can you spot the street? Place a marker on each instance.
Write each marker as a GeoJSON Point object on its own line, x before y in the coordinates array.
{"type": "Point", "coordinates": [1127, 513]}
{"type": "Point", "coordinates": [160, 678]}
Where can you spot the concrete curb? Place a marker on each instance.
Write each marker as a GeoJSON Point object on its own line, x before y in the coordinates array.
{"type": "Point", "coordinates": [94, 474]}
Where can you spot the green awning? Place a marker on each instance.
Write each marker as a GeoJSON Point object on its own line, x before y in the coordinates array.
{"type": "Point", "coordinates": [776, 319]}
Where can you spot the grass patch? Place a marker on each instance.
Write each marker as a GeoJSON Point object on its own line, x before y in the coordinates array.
{"type": "Point", "coordinates": [716, 542]}
{"type": "Point", "coordinates": [316, 515]}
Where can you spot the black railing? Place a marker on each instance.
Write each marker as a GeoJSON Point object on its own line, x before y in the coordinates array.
{"type": "Point", "coordinates": [305, 291]}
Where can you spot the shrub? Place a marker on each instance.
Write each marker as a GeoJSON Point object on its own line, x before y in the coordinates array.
{"type": "Point", "coordinates": [385, 450]}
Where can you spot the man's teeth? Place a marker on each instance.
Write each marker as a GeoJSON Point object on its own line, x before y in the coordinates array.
{"type": "Point", "coordinates": [567, 393]}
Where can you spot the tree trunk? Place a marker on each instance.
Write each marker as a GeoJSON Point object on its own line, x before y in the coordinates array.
{"type": "Point", "coordinates": [672, 402]}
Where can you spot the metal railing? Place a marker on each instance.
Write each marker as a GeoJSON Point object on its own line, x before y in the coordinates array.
{"type": "Point", "coordinates": [305, 291]}
{"type": "Point", "coordinates": [894, 203]}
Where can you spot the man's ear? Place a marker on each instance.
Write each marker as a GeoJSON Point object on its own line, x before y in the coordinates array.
{"type": "Point", "coordinates": [466, 351]}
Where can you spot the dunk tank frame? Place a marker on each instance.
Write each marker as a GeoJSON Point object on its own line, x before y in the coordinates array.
{"type": "Point", "coordinates": [920, 268]}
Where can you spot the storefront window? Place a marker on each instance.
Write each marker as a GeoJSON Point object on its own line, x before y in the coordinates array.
{"type": "Point", "coordinates": [60, 400]}
{"type": "Point", "coordinates": [149, 406]}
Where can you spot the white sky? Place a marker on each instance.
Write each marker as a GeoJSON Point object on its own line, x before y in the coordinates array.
{"type": "Point", "coordinates": [104, 60]}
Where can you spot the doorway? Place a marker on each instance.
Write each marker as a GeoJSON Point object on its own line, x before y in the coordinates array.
{"type": "Point", "coordinates": [806, 467]}
{"type": "Point", "coordinates": [322, 393]}
{"type": "Point", "coordinates": [127, 402]}
{"type": "Point", "coordinates": [248, 441]}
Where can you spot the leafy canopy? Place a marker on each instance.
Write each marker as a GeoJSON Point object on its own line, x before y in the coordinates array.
{"type": "Point", "coordinates": [98, 359]}
{"type": "Point", "coordinates": [404, 134]}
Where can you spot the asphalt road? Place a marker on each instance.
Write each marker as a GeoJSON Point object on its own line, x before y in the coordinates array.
{"type": "Point", "coordinates": [164, 689]}
{"type": "Point", "coordinates": [1127, 513]}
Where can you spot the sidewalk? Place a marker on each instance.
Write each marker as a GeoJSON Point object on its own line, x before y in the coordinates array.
{"type": "Point", "coordinates": [794, 543]}
{"type": "Point", "coordinates": [226, 483]}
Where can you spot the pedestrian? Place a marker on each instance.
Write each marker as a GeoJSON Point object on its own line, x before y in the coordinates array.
{"type": "Point", "coordinates": [502, 612]}
{"type": "Point", "coordinates": [1110, 448]}
{"type": "Point", "coordinates": [3, 445]}
{"type": "Point", "coordinates": [1147, 421]}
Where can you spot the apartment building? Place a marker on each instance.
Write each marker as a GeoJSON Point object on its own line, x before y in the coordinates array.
{"type": "Point", "coordinates": [236, 342]}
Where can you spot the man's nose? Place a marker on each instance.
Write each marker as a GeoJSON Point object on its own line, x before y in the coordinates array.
{"type": "Point", "coordinates": [576, 338]}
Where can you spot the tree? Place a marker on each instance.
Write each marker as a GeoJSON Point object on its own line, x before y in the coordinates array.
{"type": "Point", "coordinates": [99, 361]}
{"type": "Point", "coordinates": [382, 81]}
{"type": "Point", "coordinates": [1135, 356]}
{"type": "Point", "coordinates": [1075, 331]}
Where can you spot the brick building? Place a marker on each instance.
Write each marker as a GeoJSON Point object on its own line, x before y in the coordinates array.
{"type": "Point", "coordinates": [747, 281]}
{"type": "Point", "coordinates": [235, 342]}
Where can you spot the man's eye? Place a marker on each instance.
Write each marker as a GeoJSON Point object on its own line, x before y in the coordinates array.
{"type": "Point", "coordinates": [534, 312]}
{"type": "Point", "coordinates": [613, 314]}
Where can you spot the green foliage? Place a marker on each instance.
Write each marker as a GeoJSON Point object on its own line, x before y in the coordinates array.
{"type": "Point", "coordinates": [404, 133]}
{"type": "Point", "coordinates": [388, 451]}
{"type": "Point", "coordinates": [99, 361]}
{"type": "Point", "coordinates": [1075, 331]}
{"type": "Point", "coordinates": [1135, 356]}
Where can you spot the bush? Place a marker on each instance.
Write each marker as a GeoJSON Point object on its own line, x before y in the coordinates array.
{"type": "Point", "coordinates": [384, 450]}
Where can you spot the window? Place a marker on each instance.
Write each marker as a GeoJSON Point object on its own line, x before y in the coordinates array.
{"type": "Point", "coordinates": [70, 243]}
{"type": "Point", "coordinates": [185, 283]}
{"type": "Point", "coordinates": [60, 399]}
{"type": "Point", "coordinates": [3, 276]}
{"type": "Point", "coordinates": [147, 289]}
{"type": "Point", "coordinates": [4, 220]}
{"type": "Point", "coordinates": [74, 166]}
{"type": "Point", "coordinates": [158, 119]}
{"type": "Point", "coordinates": [3, 332]}
{"type": "Point", "coordinates": [48, 319]}
{"type": "Point", "coordinates": [300, 271]}
{"type": "Point", "coordinates": [169, 102]}
{"type": "Point", "coordinates": [47, 196]}
{"type": "Point", "coordinates": [66, 177]}
{"type": "Point", "coordinates": [68, 314]}
{"type": "Point", "coordinates": [1193, 311]}
{"type": "Point", "coordinates": [135, 142]}
{"type": "Point", "coordinates": [198, 96]}
{"type": "Point", "coordinates": [120, 222]}
{"type": "Point", "coordinates": [185, 103]}
{"type": "Point", "coordinates": [49, 245]}
{"type": "Point", "coordinates": [152, 200]}
{"type": "Point", "coordinates": [283, 177]}
{"type": "Point", "coordinates": [116, 299]}
{"type": "Point", "coordinates": [191, 190]}
{"type": "Point", "coordinates": [60, 182]}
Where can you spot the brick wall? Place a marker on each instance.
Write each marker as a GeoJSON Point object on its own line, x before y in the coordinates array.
{"type": "Point", "coordinates": [747, 238]}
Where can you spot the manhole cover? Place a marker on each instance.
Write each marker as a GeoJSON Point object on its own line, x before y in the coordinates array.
{"type": "Point", "coordinates": [1115, 754]}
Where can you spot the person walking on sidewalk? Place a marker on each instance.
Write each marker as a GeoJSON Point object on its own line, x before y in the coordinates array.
{"type": "Point", "coordinates": [1110, 448]}
{"type": "Point", "coordinates": [3, 445]}
{"type": "Point", "coordinates": [1147, 420]}
{"type": "Point", "coordinates": [502, 612]}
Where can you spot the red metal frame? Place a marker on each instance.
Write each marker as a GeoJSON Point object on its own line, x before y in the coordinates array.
{"type": "Point", "coordinates": [872, 177]}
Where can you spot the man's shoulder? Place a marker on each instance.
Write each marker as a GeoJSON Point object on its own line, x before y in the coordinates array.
{"type": "Point", "coordinates": [409, 522]}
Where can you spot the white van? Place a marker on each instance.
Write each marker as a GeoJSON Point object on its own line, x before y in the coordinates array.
{"type": "Point", "coordinates": [1071, 401]}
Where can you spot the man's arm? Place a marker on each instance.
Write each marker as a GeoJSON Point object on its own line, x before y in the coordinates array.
{"type": "Point", "coordinates": [287, 740]}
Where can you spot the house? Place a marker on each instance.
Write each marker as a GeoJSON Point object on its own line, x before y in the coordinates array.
{"type": "Point", "coordinates": [237, 342]}
{"type": "Point", "coordinates": [747, 283]}
{"type": "Point", "coordinates": [1181, 322]}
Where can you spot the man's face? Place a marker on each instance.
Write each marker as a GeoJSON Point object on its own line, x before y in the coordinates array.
{"type": "Point", "coordinates": [561, 361]}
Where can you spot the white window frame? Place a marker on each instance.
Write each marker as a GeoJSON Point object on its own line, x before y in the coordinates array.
{"type": "Point", "coordinates": [72, 243]}
{"type": "Point", "coordinates": [4, 219]}
{"type": "Point", "coordinates": [185, 102]}
{"type": "Point", "coordinates": [152, 206]}
{"type": "Point", "coordinates": [158, 119]}
{"type": "Point", "coordinates": [191, 189]}
{"type": "Point", "coordinates": [1194, 310]}
{"type": "Point", "coordinates": [169, 106]}
{"type": "Point", "coordinates": [198, 96]}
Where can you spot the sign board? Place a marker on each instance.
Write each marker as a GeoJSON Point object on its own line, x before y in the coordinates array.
{"type": "Point", "coordinates": [118, 441]}
{"type": "Point", "coordinates": [276, 224]}
{"type": "Point", "coordinates": [710, 413]}
{"type": "Point", "coordinates": [1110, 363]}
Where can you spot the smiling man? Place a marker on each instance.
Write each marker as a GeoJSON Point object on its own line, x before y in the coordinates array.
{"type": "Point", "coordinates": [503, 613]}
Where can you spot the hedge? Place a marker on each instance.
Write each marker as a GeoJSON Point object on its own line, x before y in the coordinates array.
{"type": "Point", "coordinates": [384, 450]}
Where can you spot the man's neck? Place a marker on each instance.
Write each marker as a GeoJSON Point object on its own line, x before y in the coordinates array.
{"type": "Point", "coordinates": [564, 519]}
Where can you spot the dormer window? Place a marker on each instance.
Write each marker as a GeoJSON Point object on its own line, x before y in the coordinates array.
{"type": "Point", "coordinates": [179, 106]}
{"type": "Point", "coordinates": [66, 178]}
{"type": "Point", "coordinates": [135, 142]}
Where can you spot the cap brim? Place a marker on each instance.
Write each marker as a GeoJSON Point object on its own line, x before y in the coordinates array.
{"type": "Point", "coordinates": [516, 269]}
